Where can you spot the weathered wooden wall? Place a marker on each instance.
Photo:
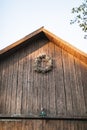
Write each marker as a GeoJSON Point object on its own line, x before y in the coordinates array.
{"type": "Point", "coordinates": [43, 125]}
{"type": "Point", "coordinates": [62, 92]}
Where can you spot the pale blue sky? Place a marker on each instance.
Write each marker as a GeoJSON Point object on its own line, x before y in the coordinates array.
{"type": "Point", "coordinates": [21, 17]}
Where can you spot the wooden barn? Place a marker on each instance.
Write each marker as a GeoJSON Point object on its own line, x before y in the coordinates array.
{"type": "Point", "coordinates": [43, 84]}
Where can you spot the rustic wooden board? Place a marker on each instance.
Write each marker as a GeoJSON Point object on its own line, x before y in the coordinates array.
{"type": "Point", "coordinates": [84, 83]}
{"type": "Point", "coordinates": [62, 91]}
{"type": "Point", "coordinates": [19, 84]}
{"type": "Point", "coordinates": [79, 87]}
{"type": "Point", "coordinates": [14, 85]}
{"type": "Point", "coordinates": [1, 84]}
{"type": "Point", "coordinates": [9, 85]}
{"type": "Point", "coordinates": [67, 82]}
{"type": "Point", "coordinates": [59, 82]}
{"type": "Point", "coordinates": [43, 125]}
{"type": "Point", "coordinates": [51, 82]}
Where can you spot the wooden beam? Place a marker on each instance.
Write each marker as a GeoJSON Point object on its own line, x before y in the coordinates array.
{"type": "Point", "coordinates": [21, 41]}
{"type": "Point", "coordinates": [66, 46]}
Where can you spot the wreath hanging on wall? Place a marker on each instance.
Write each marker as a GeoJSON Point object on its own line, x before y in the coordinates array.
{"type": "Point", "coordinates": [43, 63]}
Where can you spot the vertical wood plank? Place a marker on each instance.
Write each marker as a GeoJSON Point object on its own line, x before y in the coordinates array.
{"type": "Point", "coordinates": [1, 125]}
{"type": "Point", "coordinates": [18, 125]}
{"type": "Point", "coordinates": [15, 125]}
{"type": "Point", "coordinates": [72, 83]}
{"type": "Point", "coordinates": [45, 82]}
{"type": "Point", "coordinates": [28, 125]}
{"type": "Point", "coordinates": [37, 125]}
{"type": "Point", "coordinates": [42, 93]}
{"type": "Point", "coordinates": [66, 125]}
{"type": "Point", "coordinates": [85, 125]}
{"type": "Point", "coordinates": [59, 81]}
{"type": "Point", "coordinates": [31, 87]}
{"type": "Point", "coordinates": [15, 82]}
{"type": "Point", "coordinates": [4, 124]}
{"type": "Point", "coordinates": [35, 80]}
{"type": "Point", "coordinates": [19, 83]}
{"type": "Point", "coordinates": [5, 85]}
{"type": "Point", "coordinates": [51, 50]}
{"type": "Point", "coordinates": [71, 124]}
{"type": "Point", "coordinates": [10, 85]}
{"type": "Point", "coordinates": [8, 90]}
{"type": "Point", "coordinates": [73, 86]}
{"type": "Point", "coordinates": [29, 81]}
{"type": "Point", "coordinates": [80, 94]}
{"type": "Point", "coordinates": [84, 83]}
{"type": "Point", "coordinates": [10, 125]}
{"type": "Point", "coordinates": [67, 81]}
{"type": "Point", "coordinates": [1, 84]}
{"type": "Point", "coordinates": [24, 85]}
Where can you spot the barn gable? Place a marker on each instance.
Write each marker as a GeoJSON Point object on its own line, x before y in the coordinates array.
{"type": "Point", "coordinates": [62, 92]}
{"type": "Point", "coordinates": [58, 41]}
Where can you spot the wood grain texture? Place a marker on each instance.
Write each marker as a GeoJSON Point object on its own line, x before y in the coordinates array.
{"type": "Point", "coordinates": [43, 125]}
{"type": "Point", "coordinates": [59, 83]}
{"type": "Point", "coordinates": [66, 46]}
{"type": "Point", "coordinates": [67, 82]}
{"type": "Point", "coordinates": [62, 91]}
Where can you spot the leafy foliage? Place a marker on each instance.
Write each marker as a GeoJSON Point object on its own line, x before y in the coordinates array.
{"type": "Point", "coordinates": [80, 16]}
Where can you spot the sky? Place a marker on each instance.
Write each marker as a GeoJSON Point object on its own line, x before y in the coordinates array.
{"type": "Point", "coordinates": [18, 18]}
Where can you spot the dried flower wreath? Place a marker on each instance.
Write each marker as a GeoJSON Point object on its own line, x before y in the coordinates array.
{"type": "Point", "coordinates": [38, 63]}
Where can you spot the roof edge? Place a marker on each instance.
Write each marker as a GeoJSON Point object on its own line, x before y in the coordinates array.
{"type": "Point", "coordinates": [21, 40]}
{"type": "Point", "coordinates": [66, 46]}
{"type": "Point", "coordinates": [52, 37]}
